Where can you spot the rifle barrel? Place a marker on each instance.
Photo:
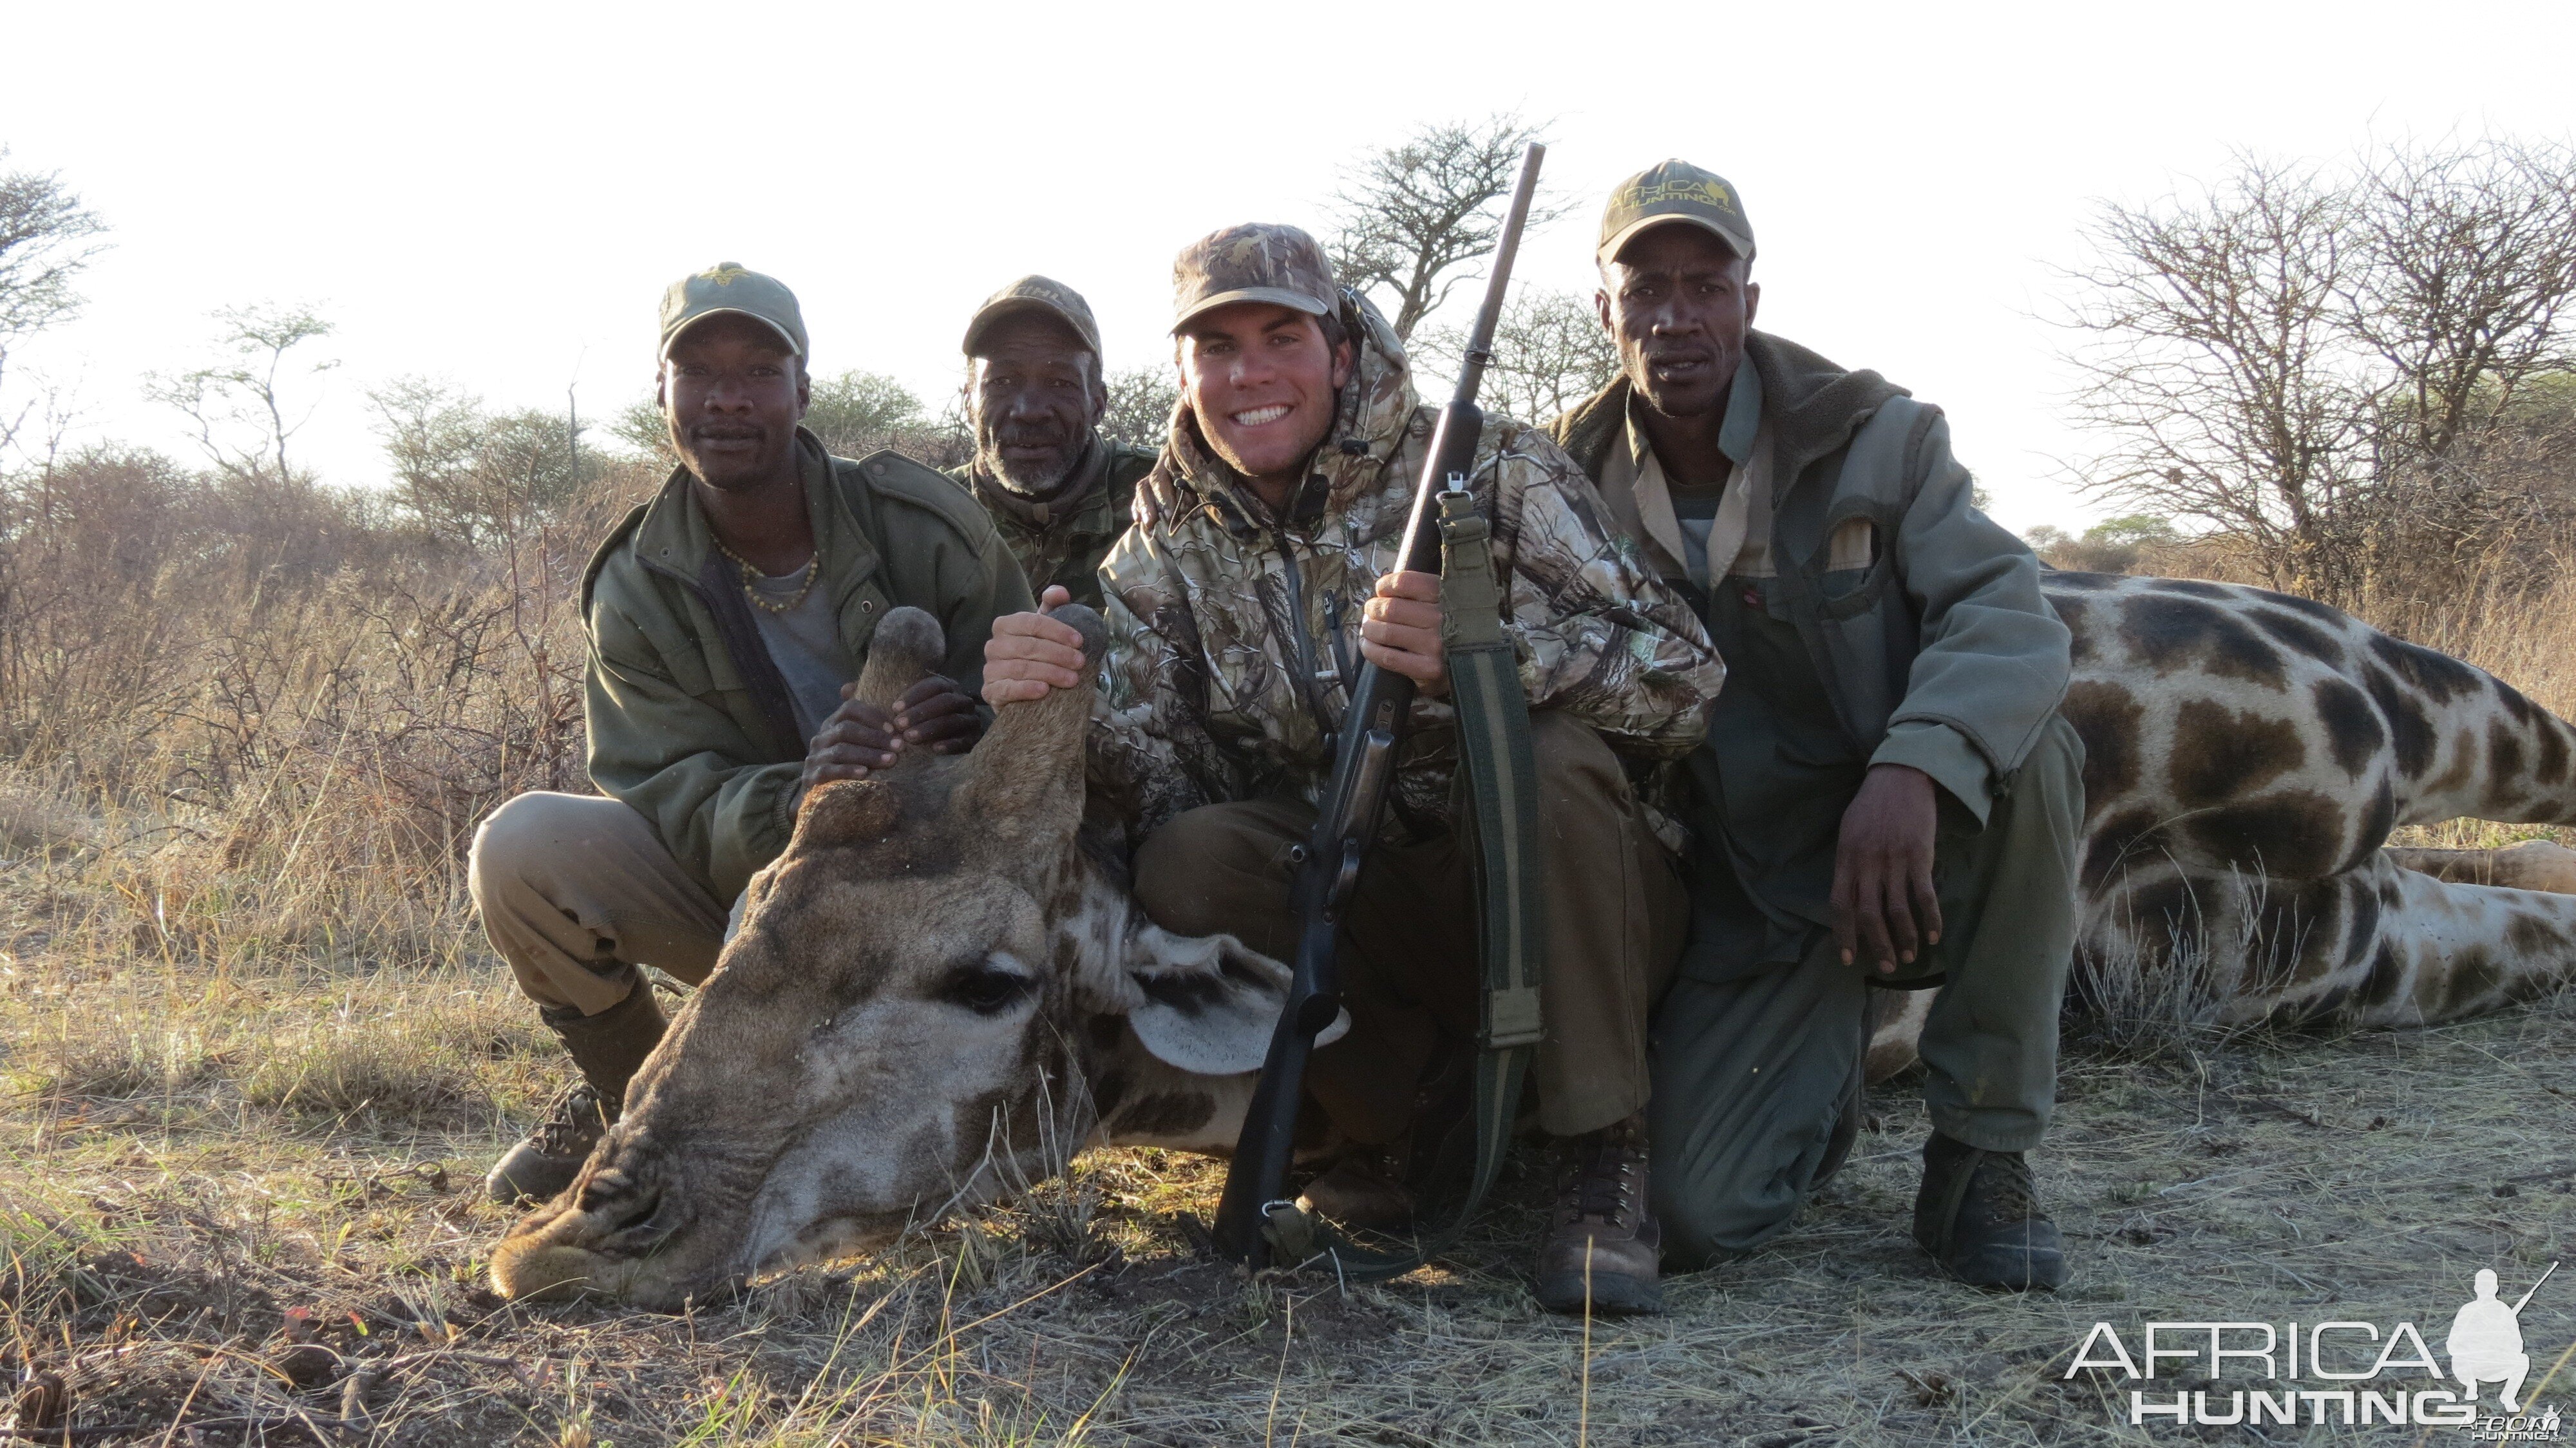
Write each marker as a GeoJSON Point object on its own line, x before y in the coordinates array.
{"type": "Point", "coordinates": [1489, 315]}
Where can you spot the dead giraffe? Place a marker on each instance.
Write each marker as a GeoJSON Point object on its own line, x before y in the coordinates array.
{"type": "Point", "coordinates": [2247, 754]}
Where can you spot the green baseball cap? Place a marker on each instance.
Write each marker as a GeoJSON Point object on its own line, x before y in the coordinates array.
{"type": "Point", "coordinates": [729, 287]}
{"type": "Point", "coordinates": [1043, 296]}
{"type": "Point", "coordinates": [1675, 191]}
{"type": "Point", "coordinates": [1255, 262]}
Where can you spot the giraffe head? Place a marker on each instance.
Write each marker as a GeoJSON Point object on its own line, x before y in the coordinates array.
{"type": "Point", "coordinates": [902, 1024]}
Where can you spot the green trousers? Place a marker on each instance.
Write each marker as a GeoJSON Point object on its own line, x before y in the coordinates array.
{"type": "Point", "coordinates": [1757, 1081]}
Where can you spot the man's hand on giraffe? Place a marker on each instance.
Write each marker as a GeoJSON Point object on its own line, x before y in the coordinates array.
{"type": "Point", "coordinates": [860, 738]}
{"type": "Point", "coordinates": [1031, 653]}
{"type": "Point", "coordinates": [1885, 910]}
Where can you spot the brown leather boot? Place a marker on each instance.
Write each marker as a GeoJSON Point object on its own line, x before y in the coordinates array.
{"type": "Point", "coordinates": [607, 1047]}
{"type": "Point", "coordinates": [1602, 1244]}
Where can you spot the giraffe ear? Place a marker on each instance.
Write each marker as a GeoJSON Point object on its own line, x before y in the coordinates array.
{"type": "Point", "coordinates": [1208, 1003]}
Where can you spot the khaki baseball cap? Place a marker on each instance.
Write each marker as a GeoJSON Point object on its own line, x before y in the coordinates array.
{"type": "Point", "coordinates": [1675, 191]}
{"type": "Point", "coordinates": [1254, 262]}
{"type": "Point", "coordinates": [1043, 296]}
{"type": "Point", "coordinates": [729, 287]}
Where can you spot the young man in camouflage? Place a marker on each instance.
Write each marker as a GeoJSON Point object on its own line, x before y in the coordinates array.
{"type": "Point", "coordinates": [1239, 618]}
{"type": "Point", "coordinates": [725, 618]}
{"type": "Point", "coordinates": [1886, 795]}
{"type": "Point", "coordinates": [1057, 490]}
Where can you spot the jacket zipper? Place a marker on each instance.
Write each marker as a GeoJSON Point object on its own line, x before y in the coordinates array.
{"type": "Point", "coordinates": [1307, 690]}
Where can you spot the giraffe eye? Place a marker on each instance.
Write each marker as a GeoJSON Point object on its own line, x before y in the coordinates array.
{"type": "Point", "coordinates": [988, 986]}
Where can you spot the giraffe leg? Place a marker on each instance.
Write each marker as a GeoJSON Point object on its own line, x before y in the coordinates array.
{"type": "Point", "coordinates": [2442, 949]}
{"type": "Point", "coordinates": [2531, 865]}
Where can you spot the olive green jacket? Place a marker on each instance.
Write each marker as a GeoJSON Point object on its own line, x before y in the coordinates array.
{"type": "Point", "coordinates": [1942, 654]}
{"type": "Point", "coordinates": [689, 720]}
{"type": "Point", "coordinates": [1062, 540]}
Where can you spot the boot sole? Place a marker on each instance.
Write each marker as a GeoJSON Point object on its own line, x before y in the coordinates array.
{"type": "Point", "coordinates": [1614, 1294]}
{"type": "Point", "coordinates": [2040, 1269]}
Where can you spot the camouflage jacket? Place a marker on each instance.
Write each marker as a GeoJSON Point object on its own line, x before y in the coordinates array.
{"type": "Point", "coordinates": [1235, 635]}
{"type": "Point", "coordinates": [1064, 539]}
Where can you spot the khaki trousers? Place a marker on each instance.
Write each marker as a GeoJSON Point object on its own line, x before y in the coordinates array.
{"type": "Point", "coordinates": [576, 891]}
{"type": "Point", "coordinates": [1410, 973]}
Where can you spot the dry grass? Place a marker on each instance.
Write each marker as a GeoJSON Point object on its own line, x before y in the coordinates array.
{"type": "Point", "coordinates": [254, 1057]}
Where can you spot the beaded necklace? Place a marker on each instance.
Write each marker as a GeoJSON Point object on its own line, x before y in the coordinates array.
{"type": "Point", "coordinates": [751, 575]}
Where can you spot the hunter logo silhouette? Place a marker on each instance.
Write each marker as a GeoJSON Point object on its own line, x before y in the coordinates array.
{"type": "Point", "coordinates": [2485, 1345]}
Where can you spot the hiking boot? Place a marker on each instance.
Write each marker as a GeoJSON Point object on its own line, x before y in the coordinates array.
{"type": "Point", "coordinates": [1980, 1218]}
{"type": "Point", "coordinates": [607, 1047]}
{"type": "Point", "coordinates": [1363, 1190]}
{"type": "Point", "coordinates": [1602, 1244]}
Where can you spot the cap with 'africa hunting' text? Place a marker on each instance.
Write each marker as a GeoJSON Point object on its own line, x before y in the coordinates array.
{"type": "Point", "coordinates": [729, 287]}
{"type": "Point", "coordinates": [1037, 295]}
{"type": "Point", "coordinates": [1675, 191]}
{"type": "Point", "coordinates": [1255, 262]}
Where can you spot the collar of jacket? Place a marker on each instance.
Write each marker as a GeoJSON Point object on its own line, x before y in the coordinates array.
{"type": "Point", "coordinates": [1371, 416]}
{"type": "Point", "coordinates": [1812, 405]}
{"type": "Point", "coordinates": [1080, 489]}
{"type": "Point", "coordinates": [674, 537]}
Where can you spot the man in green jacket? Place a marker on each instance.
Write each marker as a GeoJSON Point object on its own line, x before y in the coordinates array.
{"type": "Point", "coordinates": [727, 619]}
{"type": "Point", "coordinates": [1058, 491]}
{"type": "Point", "coordinates": [1886, 795]}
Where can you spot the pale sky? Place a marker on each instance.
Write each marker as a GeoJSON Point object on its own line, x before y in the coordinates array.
{"type": "Point", "coordinates": [497, 194]}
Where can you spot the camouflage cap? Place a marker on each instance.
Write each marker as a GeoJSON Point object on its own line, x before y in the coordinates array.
{"type": "Point", "coordinates": [1043, 296]}
{"type": "Point", "coordinates": [1674, 191]}
{"type": "Point", "coordinates": [1254, 262]}
{"type": "Point", "coordinates": [728, 287]}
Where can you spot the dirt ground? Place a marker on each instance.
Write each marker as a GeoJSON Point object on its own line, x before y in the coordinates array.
{"type": "Point", "coordinates": [200, 1165]}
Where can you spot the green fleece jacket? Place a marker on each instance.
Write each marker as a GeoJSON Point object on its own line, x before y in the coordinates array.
{"type": "Point", "coordinates": [1942, 654]}
{"type": "Point", "coordinates": [689, 719]}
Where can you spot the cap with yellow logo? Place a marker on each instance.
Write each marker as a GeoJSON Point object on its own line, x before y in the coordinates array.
{"type": "Point", "coordinates": [728, 287]}
{"type": "Point", "coordinates": [1043, 296]}
{"type": "Point", "coordinates": [1675, 191]}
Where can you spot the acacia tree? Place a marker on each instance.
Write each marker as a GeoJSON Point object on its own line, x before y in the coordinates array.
{"type": "Point", "coordinates": [46, 238]}
{"type": "Point", "coordinates": [1141, 400]}
{"type": "Point", "coordinates": [1410, 216]}
{"type": "Point", "coordinates": [249, 396]}
{"type": "Point", "coordinates": [2347, 370]}
{"type": "Point", "coordinates": [472, 475]}
{"type": "Point", "coordinates": [1550, 352]}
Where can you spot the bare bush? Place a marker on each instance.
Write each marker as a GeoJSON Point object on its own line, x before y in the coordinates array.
{"type": "Point", "coordinates": [2350, 371]}
{"type": "Point", "coordinates": [1141, 400]}
{"type": "Point", "coordinates": [1550, 352]}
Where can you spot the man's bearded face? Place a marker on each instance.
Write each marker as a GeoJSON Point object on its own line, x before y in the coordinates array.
{"type": "Point", "coordinates": [1037, 395]}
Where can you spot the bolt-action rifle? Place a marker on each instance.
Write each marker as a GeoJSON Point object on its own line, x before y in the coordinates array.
{"type": "Point", "coordinates": [1328, 865]}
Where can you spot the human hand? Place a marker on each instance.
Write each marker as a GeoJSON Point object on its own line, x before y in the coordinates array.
{"type": "Point", "coordinates": [1400, 630]}
{"type": "Point", "coordinates": [1884, 904]}
{"type": "Point", "coordinates": [1031, 653]}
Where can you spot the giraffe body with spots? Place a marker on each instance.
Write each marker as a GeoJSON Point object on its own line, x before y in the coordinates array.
{"type": "Point", "coordinates": [2247, 754]}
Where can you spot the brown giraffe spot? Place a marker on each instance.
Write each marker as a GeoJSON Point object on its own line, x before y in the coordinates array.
{"type": "Point", "coordinates": [2115, 841]}
{"type": "Point", "coordinates": [2106, 716]}
{"type": "Point", "coordinates": [2220, 754]}
{"type": "Point", "coordinates": [2410, 730]}
{"type": "Point", "coordinates": [2194, 587]}
{"type": "Point", "coordinates": [2553, 752]}
{"type": "Point", "coordinates": [2515, 704]}
{"type": "Point", "coordinates": [2170, 634]}
{"type": "Point", "coordinates": [2534, 936]}
{"type": "Point", "coordinates": [2077, 617]}
{"type": "Point", "coordinates": [2322, 612]}
{"type": "Point", "coordinates": [2353, 732]}
{"type": "Point", "coordinates": [2504, 764]}
{"type": "Point", "coordinates": [2363, 898]}
{"type": "Point", "coordinates": [1167, 1113]}
{"type": "Point", "coordinates": [2439, 677]}
{"type": "Point", "coordinates": [2297, 834]}
{"type": "Point", "coordinates": [2298, 633]}
{"type": "Point", "coordinates": [2473, 977]}
{"type": "Point", "coordinates": [2387, 977]}
{"type": "Point", "coordinates": [2380, 817]}
{"type": "Point", "coordinates": [1107, 1092]}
